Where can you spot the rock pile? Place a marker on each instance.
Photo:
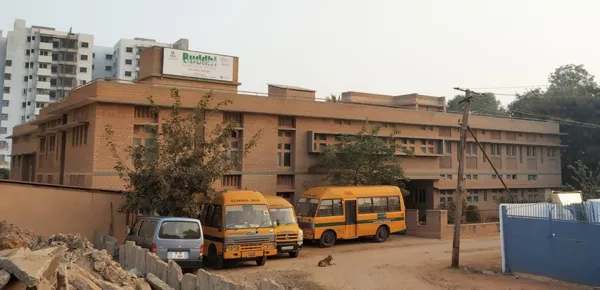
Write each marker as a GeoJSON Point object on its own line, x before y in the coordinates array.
{"type": "Point", "coordinates": [61, 262]}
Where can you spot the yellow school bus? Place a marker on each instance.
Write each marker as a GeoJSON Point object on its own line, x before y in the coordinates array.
{"type": "Point", "coordinates": [289, 235]}
{"type": "Point", "coordinates": [237, 226]}
{"type": "Point", "coordinates": [329, 213]}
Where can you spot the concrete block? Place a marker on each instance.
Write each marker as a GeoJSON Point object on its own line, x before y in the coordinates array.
{"type": "Point", "coordinates": [31, 267]}
{"type": "Point", "coordinates": [203, 280]}
{"type": "Point", "coordinates": [129, 255]}
{"type": "Point", "coordinates": [98, 240]}
{"type": "Point", "coordinates": [156, 283]}
{"type": "Point", "coordinates": [142, 285]}
{"type": "Point", "coordinates": [4, 278]}
{"type": "Point", "coordinates": [110, 245]}
{"type": "Point", "coordinates": [122, 256]}
{"type": "Point", "coordinates": [161, 269]}
{"type": "Point", "coordinates": [150, 263]}
{"type": "Point", "coordinates": [189, 281]}
{"type": "Point", "coordinates": [266, 284]}
{"type": "Point", "coordinates": [174, 275]}
{"type": "Point", "coordinates": [220, 282]}
{"type": "Point", "coordinates": [82, 283]}
{"type": "Point", "coordinates": [140, 260]}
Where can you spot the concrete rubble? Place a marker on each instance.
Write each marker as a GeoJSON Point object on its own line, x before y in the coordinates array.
{"type": "Point", "coordinates": [62, 262]}
{"type": "Point", "coordinates": [67, 262]}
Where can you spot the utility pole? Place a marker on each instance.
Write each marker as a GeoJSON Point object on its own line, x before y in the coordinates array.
{"type": "Point", "coordinates": [464, 125]}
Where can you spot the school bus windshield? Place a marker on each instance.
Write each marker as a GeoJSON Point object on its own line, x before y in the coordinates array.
{"type": "Point", "coordinates": [283, 216]}
{"type": "Point", "coordinates": [247, 217]}
{"type": "Point", "coordinates": [307, 207]}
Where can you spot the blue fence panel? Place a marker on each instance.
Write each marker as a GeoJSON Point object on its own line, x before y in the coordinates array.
{"type": "Point", "coordinates": [562, 249]}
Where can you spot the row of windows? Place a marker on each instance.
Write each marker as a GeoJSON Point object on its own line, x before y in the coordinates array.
{"type": "Point", "coordinates": [494, 176]}
{"type": "Point", "coordinates": [334, 207]}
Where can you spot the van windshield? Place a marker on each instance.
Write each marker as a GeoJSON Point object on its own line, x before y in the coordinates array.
{"type": "Point", "coordinates": [179, 230]}
{"type": "Point", "coordinates": [284, 216]}
{"type": "Point", "coordinates": [247, 216]}
{"type": "Point", "coordinates": [307, 207]}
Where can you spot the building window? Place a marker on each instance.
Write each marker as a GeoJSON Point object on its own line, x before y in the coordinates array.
{"type": "Point", "coordinates": [471, 149]}
{"type": "Point", "coordinates": [5, 103]}
{"type": "Point", "coordinates": [284, 149]}
{"type": "Point", "coordinates": [84, 57]}
{"type": "Point", "coordinates": [7, 90]}
{"type": "Point", "coordinates": [530, 151]}
{"type": "Point", "coordinates": [109, 57]}
{"type": "Point", "coordinates": [8, 62]}
{"type": "Point", "coordinates": [494, 176]}
{"type": "Point", "coordinates": [511, 150]}
{"type": "Point", "coordinates": [127, 73]}
{"type": "Point", "coordinates": [531, 177]}
{"type": "Point", "coordinates": [79, 136]}
{"type": "Point", "coordinates": [551, 152]}
{"type": "Point", "coordinates": [129, 49]}
{"type": "Point", "coordinates": [495, 150]}
{"type": "Point", "coordinates": [145, 112]}
{"type": "Point", "coordinates": [448, 147]}
{"type": "Point", "coordinates": [7, 77]}
{"type": "Point", "coordinates": [285, 180]}
{"type": "Point", "coordinates": [85, 44]}
{"type": "Point", "coordinates": [83, 69]}
{"type": "Point", "coordinates": [128, 61]}
{"type": "Point", "coordinates": [232, 181]}
{"type": "Point", "coordinates": [3, 117]}
{"type": "Point", "coordinates": [108, 68]}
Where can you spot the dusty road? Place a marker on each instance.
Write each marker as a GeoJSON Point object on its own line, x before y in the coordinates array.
{"type": "Point", "coordinates": [400, 263]}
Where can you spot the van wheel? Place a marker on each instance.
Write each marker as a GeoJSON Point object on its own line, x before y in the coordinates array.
{"type": "Point", "coordinates": [261, 261]}
{"type": "Point", "coordinates": [382, 234]}
{"type": "Point", "coordinates": [327, 239]}
{"type": "Point", "coordinates": [294, 254]}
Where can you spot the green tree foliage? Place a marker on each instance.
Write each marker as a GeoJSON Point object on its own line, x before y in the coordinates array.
{"type": "Point", "coordinates": [485, 104]}
{"type": "Point", "coordinates": [586, 179]}
{"type": "Point", "coordinates": [182, 162]}
{"type": "Point", "coordinates": [4, 173]}
{"type": "Point", "coordinates": [473, 214]}
{"type": "Point", "coordinates": [365, 158]}
{"type": "Point", "coordinates": [572, 98]}
{"type": "Point", "coordinates": [333, 98]}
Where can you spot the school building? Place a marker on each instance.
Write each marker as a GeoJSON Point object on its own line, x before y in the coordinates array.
{"type": "Point", "coordinates": [66, 144]}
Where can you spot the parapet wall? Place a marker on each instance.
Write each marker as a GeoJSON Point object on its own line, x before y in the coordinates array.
{"type": "Point", "coordinates": [437, 227]}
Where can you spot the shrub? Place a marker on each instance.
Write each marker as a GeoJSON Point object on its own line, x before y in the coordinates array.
{"type": "Point", "coordinates": [473, 214]}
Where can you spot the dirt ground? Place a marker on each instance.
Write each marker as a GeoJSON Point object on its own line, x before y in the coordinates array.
{"type": "Point", "coordinates": [402, 262]}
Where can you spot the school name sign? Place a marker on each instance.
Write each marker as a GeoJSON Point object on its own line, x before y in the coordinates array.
{"type": "Point", "coordinates": [197, 65]}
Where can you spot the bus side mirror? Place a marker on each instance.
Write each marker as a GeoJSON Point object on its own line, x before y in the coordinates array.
{"type": "Point", "coordinates": [277, 223]}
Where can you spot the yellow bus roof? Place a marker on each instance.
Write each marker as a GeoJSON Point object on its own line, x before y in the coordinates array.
{"type": "Point", "coordinates": [350, 191]}
{"type": "Point", "coordinates": [275, 201]}
{"type": "Point", "coordinates": [240, 197]}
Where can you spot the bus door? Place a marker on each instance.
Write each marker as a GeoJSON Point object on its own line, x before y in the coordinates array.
{"type": "Point", "coordinates": [351, 221]}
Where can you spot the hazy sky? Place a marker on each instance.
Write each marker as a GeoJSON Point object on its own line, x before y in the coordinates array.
{"type": "Point", "coordinates": [388, 47]}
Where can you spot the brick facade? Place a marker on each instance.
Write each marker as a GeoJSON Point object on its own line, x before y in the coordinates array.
{"type": "Point", "coordinates": [293, 127]}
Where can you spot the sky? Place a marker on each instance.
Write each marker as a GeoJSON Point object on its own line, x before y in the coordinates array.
{"type": "Point", "coordinates": [386, 47]}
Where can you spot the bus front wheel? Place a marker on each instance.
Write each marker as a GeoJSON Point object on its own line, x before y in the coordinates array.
{"type": "Point", "coordinates": [327, 239]}
{"type": "Point", "coordinates": [261, 261]}
{"type": "Point", "coordinates": [294, 254]}
{"type": "Point", "coordinates": [217, 261]}
{"type": "Point", "coordinates": [382, 234]}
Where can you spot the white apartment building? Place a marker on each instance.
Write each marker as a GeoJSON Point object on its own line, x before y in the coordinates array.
{"type": "Point", "coordinates": [122, 59]}
{"type": "Point", "coordinates": [41, 65]}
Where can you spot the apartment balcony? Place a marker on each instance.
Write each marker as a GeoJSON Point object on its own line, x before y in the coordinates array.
{"type": "Point", "coordinates": [8, 69]}
{"type": "Point", "coordinates": [42, 98]}
{"type": "Point", "coordinates": [43, 85]}
{"type": "Point", "coordinates": [44, 72]}
{"type": "Point", "coordinates": [46, 45]}
{"type": "Point", "coordinates": [45, 58]}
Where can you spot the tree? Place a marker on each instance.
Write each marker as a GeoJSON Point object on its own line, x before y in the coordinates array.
{"type": "Point", "coordinates": [572, 98]}
{"type": "Point", "coordinates": [181, 163]}
{"type": "Point", "coordinates": [450, 207]}
{"type": "Point", "coordinates": [587, 180]}
{"type": "Point", "coordinates": [364, 158]}
{"type": "Point", "coordinates": [486, 104]}
{"type": "Point", "coordinates": [4, 173]}
{"type": "Point", "coordinates": [333, 98]}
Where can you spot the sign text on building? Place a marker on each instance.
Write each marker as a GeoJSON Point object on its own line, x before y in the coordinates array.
{"type": "Point", "coordinates": [197, 65]}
